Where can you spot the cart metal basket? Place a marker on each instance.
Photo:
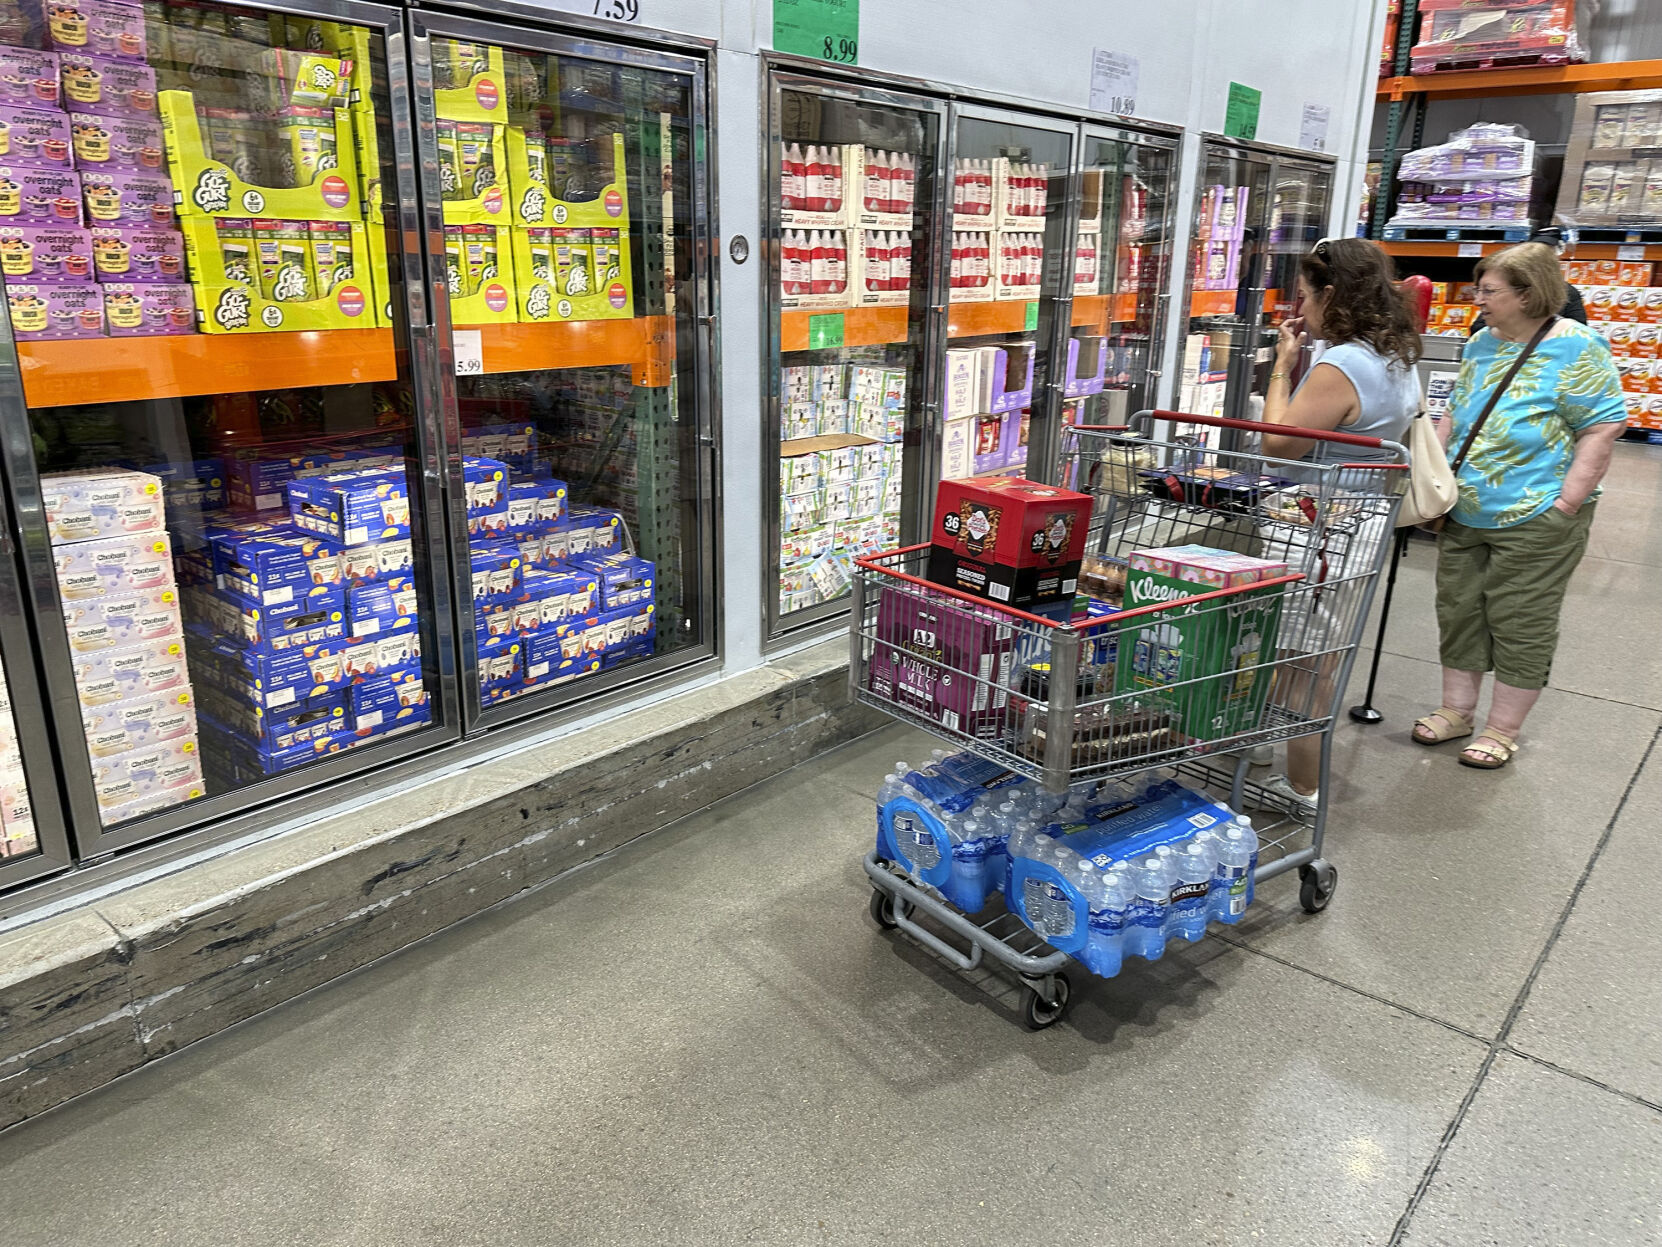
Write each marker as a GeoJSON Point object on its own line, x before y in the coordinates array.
{"type": "Point", "coordinates": [1066, 700]}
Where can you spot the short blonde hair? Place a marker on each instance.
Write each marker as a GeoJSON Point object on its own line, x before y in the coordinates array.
{"type": "Point", "coordinates": [1530, 268]}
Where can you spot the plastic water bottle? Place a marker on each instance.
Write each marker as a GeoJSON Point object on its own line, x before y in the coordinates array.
{"type": "Point", "coordinates": [969, 854]}
{"type": "Point", "coordinates": [1229, 877]}
{"type": "Point", "coordinates": [1110, 905]}
{"type": "Point", "coordinates": [1193, 866]}
{"type": "Point", "coordinates": [1145, 929]}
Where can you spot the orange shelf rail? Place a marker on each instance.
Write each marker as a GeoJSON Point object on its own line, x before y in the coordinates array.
{"type": "Point", "coordinates": [1527, 80]}
{"type": "Point", "coordinates": [123, 370]}
{"type": "Point", "coordinates": [972, 320]}
{"type": "Point", "coordinates": [1212, 303]}
{"type": "Point", "coordinates": [862, 326]}
{"type": "Point", "coordinates": [1583, 251]}
{"type": "Point", "coordinates": [645, 341]}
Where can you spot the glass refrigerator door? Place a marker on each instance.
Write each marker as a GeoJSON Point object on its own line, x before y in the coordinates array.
{"type": "Point", "coordinates": [1298, 219]}
{"type": "Point", "coordinates": [853, 188]}
{"type": "Point", "coordinates": [1009, 232]}
{"type": "Point", "coordinates": [1122, 253]}
{"type": "Point", "coordinates": [1223, 284]}
{"type": "Point", "coordinates": [565, 197]}
{"type": "Point", "coordinates": [230, 533]}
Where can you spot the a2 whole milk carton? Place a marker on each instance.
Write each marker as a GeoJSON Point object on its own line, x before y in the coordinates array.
{"type": "Point", "coordinates": [1216, 644]}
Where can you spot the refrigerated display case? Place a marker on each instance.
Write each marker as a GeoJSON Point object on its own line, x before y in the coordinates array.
{"type": "Point", "coordinates": [853, 176]}
{"type": "Point", "coordinates": [935, 281]}
{"type": "Point", "coordinates": [233, 551]}
{"type": "Point", "coordinates": [1257, 209]}
{"type": "Point", "coordinates": [1122, 259]}
{"type": "Point", "coordinates": [1009, 288]}
{"type": "Point", "coordinates": [567, 180]}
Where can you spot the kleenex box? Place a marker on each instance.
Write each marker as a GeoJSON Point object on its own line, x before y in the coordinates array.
{"type": "Point", "coordinates": [352, 508]}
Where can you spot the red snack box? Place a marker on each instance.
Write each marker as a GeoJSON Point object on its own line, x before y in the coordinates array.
{"type": "Point", "coordinates": [1010, 540]}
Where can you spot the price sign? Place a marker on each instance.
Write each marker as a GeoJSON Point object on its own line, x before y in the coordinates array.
{"type": "Point", "coordinates": [1032, 315]}
{"type": "Point", "coordinates": [826, 29]}
{"type": "Point", "coordinates": [1312, 130]}
{"type": "Point", "coordinates": [826, 330]}
{"type": "Point", "coordinates": [469, 347]}
{"type": "Point", "coordinates": [1240, 118]}
{"type": "Point", "coordinates": [1114, 78]}
{"type": "Point", "coordinates": [614, 10]}
{"type": "Point", "coordinates": [1470, 250]}
{"type": "Point", "coordinates": [1630, 253]}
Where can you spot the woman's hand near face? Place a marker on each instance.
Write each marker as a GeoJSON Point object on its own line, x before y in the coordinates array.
{"type": "Point", "coordinates": [1290, 341]}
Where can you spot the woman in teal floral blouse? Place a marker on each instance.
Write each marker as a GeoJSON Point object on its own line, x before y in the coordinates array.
{"type": "Point", "coordinates": [1527, 495]}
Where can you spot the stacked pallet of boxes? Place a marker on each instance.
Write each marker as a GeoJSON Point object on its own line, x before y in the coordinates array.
{"type": "Point", "coordinates": [1626, 309]}
{"type": "Point", "coordinates": [304, 630]}
{"type": "Point", "coordinates": [121, 609]}
{"type": "Point", "coordinates": [17, 818]}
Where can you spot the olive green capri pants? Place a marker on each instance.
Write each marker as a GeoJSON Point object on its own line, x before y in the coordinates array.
{"type": "Point", "coordinates": [1500, 591]}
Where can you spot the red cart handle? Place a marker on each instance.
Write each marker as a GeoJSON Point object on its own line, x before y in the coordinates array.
{"type": "Point", "coordinates": [1280, 430]}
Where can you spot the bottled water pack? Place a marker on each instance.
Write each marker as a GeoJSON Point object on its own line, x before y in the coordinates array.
{"type": "Point", "coordinates": [1143, 863]}
{"type": "Point", "coordinates": [948, 823]}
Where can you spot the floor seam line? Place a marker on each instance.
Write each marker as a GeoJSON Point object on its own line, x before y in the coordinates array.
{"type": "Point", "coordinates": [1500, 1042]}
{"type": "Point", "coordinates": [1580, 1077]}
{"type": "Point", "coordinates": [1352, 988]}
{"type": "Point", "coordinates": [1568, 692]}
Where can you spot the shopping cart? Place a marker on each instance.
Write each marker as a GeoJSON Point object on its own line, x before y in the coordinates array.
{"type": "Point", "coordinates": [1066, 701]}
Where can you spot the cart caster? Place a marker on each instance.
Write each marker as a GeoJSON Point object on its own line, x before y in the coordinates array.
{"type": "Point", "coordinates": [1317, 882]}
{"type": "Point", "coordinates": [1037, 1012]}
{"type": "Point", "coordinates": [882, 909]}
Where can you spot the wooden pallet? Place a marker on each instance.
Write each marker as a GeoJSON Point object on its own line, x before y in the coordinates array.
{"type": "Point", "coordinates": [1494, 60]}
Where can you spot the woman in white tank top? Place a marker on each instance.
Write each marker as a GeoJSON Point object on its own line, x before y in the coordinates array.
{"type": "Point", "coordinates": [1363, 383]}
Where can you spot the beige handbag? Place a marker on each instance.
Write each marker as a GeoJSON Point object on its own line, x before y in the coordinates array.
{"type": "Point", "coordinates": [1432, 486]}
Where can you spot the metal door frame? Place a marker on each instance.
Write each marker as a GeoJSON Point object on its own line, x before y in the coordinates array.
{"type": "Point", "coordinates": [541, 36]}
{"type": "Point", "coordinates": [86, 828]}
{"type": "Point", "coordinates": [775, 82]}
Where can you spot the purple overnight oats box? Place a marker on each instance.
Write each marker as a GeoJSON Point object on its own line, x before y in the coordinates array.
{"type": "Point", "coordinates": [133, 144]}
{"type": "Point", "coordinates": [33, 254]}
{"type": "Point", "coordinates": [68, 310]}
{"type": "Point", "coordinates": [34, 137]}
{"type": "Point", "coordinates": [114, 197]}
{"type": "Point", "coordinates": [106, 86]}
{"type": "Point", "coordinates": [145, 310]}
{"type": "Point", "coordinates": [102, 27]}
{"type": "Point", "coordinates": [143, 255]}
{"type": "Point", "coordinates": [39, 197]}
{"type": "Point", "coordinates": [944, 659]}
{"type": "Point", "coordinates": [28, 76]}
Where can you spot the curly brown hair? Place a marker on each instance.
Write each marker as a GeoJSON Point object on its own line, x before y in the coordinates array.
{"type": "Point", "coordinates": [1365, 304]}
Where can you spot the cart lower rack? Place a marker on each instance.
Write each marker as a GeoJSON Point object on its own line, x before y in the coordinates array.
{"type": "Point", "coordinates": [1186, 682]}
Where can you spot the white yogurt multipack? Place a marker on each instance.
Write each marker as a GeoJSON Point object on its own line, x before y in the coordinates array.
{"type": "Point", "coordinates": [121, 620]}
{"type": "Point", "coordinates": [82, 506]}
{"type": "Point", "coordinates": [122, 726]}
{"type": "Point", "coordinates": [164, 767]}
{"type": "Point", "coordinates": [138, 563]}
{"type": "Point", "coordinates": [112, 675]}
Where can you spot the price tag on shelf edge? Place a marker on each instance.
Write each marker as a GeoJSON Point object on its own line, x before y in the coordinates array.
{"type": "Point", "coordinates": [1114, 77]}
{"type": "Point", "coordinates": [469, 346]}
{"type": "Point", "coordinates": [825, 330]}
{"type": "Point", "coordinates": [1470, 251]}
{"type": "Point", "coordinates": [828, 30]}
{"type": "Point", "coordinates": [1630, 253]}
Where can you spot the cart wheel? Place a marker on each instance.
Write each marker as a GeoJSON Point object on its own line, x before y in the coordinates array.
{"type": "Point", "coordinates": [882, 909]}
{"type": "Point", "coordinates": [1317, 882]}
{"type": "Point", "coordinates": [1036, 1012]}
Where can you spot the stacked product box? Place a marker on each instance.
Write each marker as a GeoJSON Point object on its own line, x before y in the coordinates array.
{"type": "Point", "coordinates": [1626, 309]}
{"type": "Point", "coordinates": [989, 396]}
{"type": "Point", "coordinates": [87, 244]}
{"type": "Point", "coordinates": [126, 638]}
{"type": "Point", "coordinates": [1612, 176]}
{"type": "Point", "coordinates": [304, 629]}
{"type": "Point", "coordinates": [839, 475]}
{"type": "Point", "coordinates": [1204, 381]}
{"type": "Point", "coordinates": [17, 820]}
{"type": "Point", "coordinates": [556, 596]}
{"type": "Point", "coordinates": [1453, 309]}
{"type": "Point", "coordinates": [1488, 34]}
{"type": "Point", "coordinates": [1483, 174]}
{"type": "Point", "coordinates": [1218, 233]}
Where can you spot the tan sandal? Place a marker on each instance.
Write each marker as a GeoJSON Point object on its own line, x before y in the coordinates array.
{"type": "Point", "coordinates": [1493, 750]}
{"type": "Point", "coordinates": [1455, 726]}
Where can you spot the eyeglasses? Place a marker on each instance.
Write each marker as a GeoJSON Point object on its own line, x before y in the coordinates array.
{"type": "Point", "coordinates": [1489, 292]}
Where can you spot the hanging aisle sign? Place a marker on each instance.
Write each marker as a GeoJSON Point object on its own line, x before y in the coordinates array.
{"type": "Point", "coordinates": [826, 29]}
{"type": "Point", "coordinates": [1240, 118]}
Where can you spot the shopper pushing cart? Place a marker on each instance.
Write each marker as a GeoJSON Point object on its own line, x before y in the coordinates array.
{"type": "Point", "coordinates": [1102, 739]}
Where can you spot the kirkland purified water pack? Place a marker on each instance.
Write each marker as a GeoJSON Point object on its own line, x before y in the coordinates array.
{"type": "Point", "coordinates": [1147, 862]}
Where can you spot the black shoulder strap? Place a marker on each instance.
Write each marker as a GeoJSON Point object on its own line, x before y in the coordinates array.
{"type": "Point", "coordinates": [1505, 384]}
